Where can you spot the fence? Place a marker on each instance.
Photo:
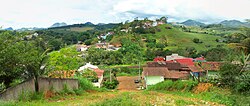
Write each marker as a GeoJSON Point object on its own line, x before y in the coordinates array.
{"type": "Point", "coordinates": [44, 84]}
{"type": "Point", "coordinates": [15, 91]}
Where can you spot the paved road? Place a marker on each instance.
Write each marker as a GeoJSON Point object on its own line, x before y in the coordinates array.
{"type": "Point", "coordinates": [127, 83]}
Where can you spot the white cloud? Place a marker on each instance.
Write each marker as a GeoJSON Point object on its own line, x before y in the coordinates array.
{"type": "Point", "coordinates": [43, 13]}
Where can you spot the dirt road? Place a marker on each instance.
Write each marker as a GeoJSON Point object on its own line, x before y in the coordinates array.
{"type": "Point", "coordinates": [127, 83]}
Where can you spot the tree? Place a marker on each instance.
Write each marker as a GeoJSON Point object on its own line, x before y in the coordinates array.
{"type": "Point", "coordinates": [10, 61]}
{"type": "Point", "coordinates": [216, 54]}
{"type": "Point", "coordinates": [164, 19]}
{"type": "Point", "coordinates": [246, 43]}
{"type": "Point", "coordinates": [90, 75]}
{"type": "Point", "coordinates": [65, 59]}
{"type": "Point", "coordinates": [228, 73]}
{"type": "Point", "coordinates": [132, 52]}
{"type": "Point", "coordinates": [55, 44]}
{"type": "Point", "coordinates": [34, 62]}
{"type": "Point", "coordinates": [20, 59]}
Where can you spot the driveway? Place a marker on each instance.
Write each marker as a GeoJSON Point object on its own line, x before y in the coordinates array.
{"type": "Point", "coordinates": [127, 83]}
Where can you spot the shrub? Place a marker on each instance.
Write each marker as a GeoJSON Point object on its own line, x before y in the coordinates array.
{"type": "Point", "coordinates": [174, 85]}
{"type": "Point", "coordinates": [29, 96]}
{"type": "Point", "coordinates": [78, 91]}
{"type": "Point", "coordinates": [110, 85]}
{"type": "Point", "coordinates": [85, 84]}
{"type": "Point", "coordinates": [243, 84]}
{"type": "Point", "coordinates": [66, 90]}
{"type": "Point", "coordinates": [196, 40]}
{"type": "Point", "coordinates": [166, 85]}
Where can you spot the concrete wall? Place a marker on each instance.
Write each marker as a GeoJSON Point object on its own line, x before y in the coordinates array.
{"type": "Point", "coordinates": [152, 80]}
{"type": "Point", "coordinates": [15, 91]}
{"type": "Point", "coordinates": [57, 84]}
{"type": "Point", "coordinates": [44, 85]}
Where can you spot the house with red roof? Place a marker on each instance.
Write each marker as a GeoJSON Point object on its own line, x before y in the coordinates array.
{"type": "Point", "coordinates": [159, 59]}
{"type": "Point", "coordinates": [196, 70]}
{"type": "Point", "coordinates": [185, 61]}
{"type": "Point", "coordinates": [200, 59]}
{"type": "Point", "coordinates": [159, 71]}
{"type": "Point", "coordinates": [98, 72]}
{"type": "Point", "coordinates": [211, 68]}
{"type": "Point", "coordinates": [154, 75]}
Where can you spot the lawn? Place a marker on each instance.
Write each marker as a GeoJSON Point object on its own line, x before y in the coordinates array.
{"type": "Point", "coordinates": [121, 98]}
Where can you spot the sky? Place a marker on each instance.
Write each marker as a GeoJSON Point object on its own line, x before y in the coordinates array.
{"type": "Point", "coordinates": [44, 13]}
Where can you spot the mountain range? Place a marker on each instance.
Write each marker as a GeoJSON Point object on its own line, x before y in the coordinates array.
{"type": "Point", "coordinates": [58, 25]}
{"type": "Point", "coordinates": [192, 23]}
{"type": "Point", "coordinates": [225, 23]}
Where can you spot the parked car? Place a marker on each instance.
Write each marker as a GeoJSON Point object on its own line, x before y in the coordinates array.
{"type": "Point", "coordinates": [136, 81]}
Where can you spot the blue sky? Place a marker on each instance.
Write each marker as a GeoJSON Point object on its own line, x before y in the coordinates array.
{"type": "Point", "coordinates": [43, 13]}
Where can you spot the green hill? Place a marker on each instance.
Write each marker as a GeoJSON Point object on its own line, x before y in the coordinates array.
{"type": "Point", "coordinates": [176, 38]}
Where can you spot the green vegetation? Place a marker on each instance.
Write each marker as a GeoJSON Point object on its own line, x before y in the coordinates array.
{"type": "Point", "coordinates": [65, 59]}
{"type": "Point", "coordinates": [23, 56]}
{"type": "Point", "coordinates": [170, 85]}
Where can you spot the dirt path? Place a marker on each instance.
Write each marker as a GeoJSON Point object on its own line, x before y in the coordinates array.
{"type": "Point", "coordinates": [127, 83]}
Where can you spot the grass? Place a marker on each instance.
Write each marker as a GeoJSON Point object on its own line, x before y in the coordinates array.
{"type": "Point", "coordinates": [81, 29]}
{"type": "Point", "coordinates": [179, 39]}
{"type": "Point", "coordinates": [174, 85]}
{"type": "Point", "coordinates": [135, 98]}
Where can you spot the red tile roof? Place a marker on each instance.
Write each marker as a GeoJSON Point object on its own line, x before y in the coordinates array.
{"type": "Point", "coordinates": [170, 66]}
{"type": "Point", "coordinates": [200, 58]}
{"type": "Point", "coordinates": [177, 75]}
{"type": "Point", "coordinates": [159, 59]}
{"type": "Point", "coordinates": [195, 68]}
{"type": "Point", "coordinates": [154, 71]}
{"type": "Point", "coordinates": [99, 72]}
{"type": "Point", "coordinates": [186, 61]}
{"type": "Point", "coordinates": [211, 65]}
{"type": "Point", "coordinates": [163, 71]}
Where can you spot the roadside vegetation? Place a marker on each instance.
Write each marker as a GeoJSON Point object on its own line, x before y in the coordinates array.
{"type": "Point", "coordinates": [24, 55]}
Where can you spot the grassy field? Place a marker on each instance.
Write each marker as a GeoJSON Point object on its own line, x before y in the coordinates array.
{"type": "Point", "coordinates": [176, 38]}
{"type": "Point", "coordinates": [118, 98]}
{"type": "Point", "coordinates": [179, 39]}
{"type": "Point", "coordinates": [81, 29]}
{"type": "Point", "coordinates": [76, 29]}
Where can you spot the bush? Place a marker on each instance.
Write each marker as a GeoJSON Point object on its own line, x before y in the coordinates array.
{"type": "Point", "coordinates": [29, 96]}
{"type": "Point", "coordinates": [85, 84]}
{"type": "Point", "coordinates": [78, 91]}
{"type": "Point", "coordinates": [66, 90]}
{"type": "Point", "coordinates": [174, 85]}
{"type": "Point", "coordinates": [128, 71]}
{"type": "Point", "coordinates": [196, 40]}
{"type": "Point", "coordinates": [110, 85]}
{"type": "Point", "coordinates": [243, 84]}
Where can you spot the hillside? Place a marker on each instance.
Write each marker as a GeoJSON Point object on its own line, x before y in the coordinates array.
{"type": "Point", "coordinates": [192, 23]}
{"type": "Point", "coordinates": [179, 39]}
{"type": "Point", "coordinates": [58, 24]}
{"type": "Point", "coordinates": [234, 23]}
{"type": "Point", "coordinates": [176, 38]}
{"type": "Point", "coordinates": [85, 27]}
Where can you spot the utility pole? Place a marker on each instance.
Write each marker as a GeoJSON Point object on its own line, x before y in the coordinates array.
{"type": "Point", "coordinates": [139, 71]}
{"type": "Point", "coordinates": [110, 78]}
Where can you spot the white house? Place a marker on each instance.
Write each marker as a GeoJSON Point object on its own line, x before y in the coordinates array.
{"type": "Point", "coordinates": [94, 68]}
